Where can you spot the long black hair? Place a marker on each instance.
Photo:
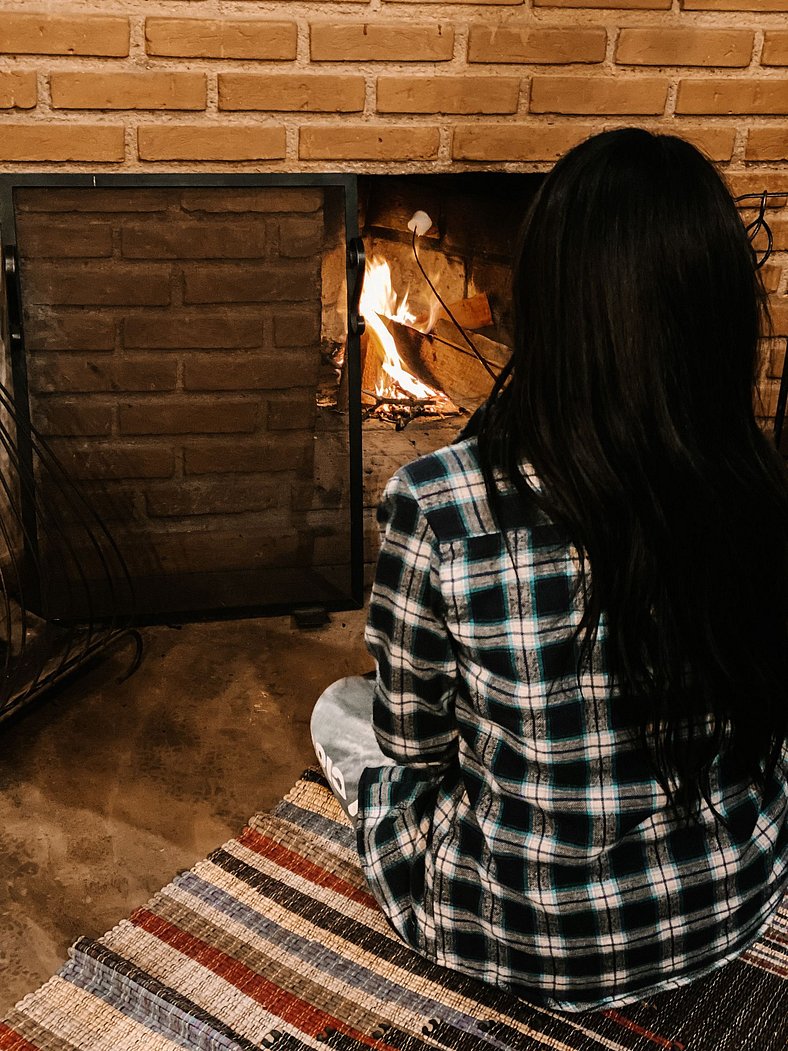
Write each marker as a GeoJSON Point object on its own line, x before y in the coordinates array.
{"type": "Point", "coordinates": [638, 316]}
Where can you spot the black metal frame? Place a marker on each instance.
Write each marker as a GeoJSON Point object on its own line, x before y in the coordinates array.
{"type": "Point", "coordinates": [354, 270]}
{"type": "Point", "coordinates": [16, 353]}
{"type": "Point", "coordinates": [782, 401]}
{"type": "Point", "coordinates": [759, 223]}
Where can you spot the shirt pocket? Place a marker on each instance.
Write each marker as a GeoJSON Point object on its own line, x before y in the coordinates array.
{"type": "Point", "coordinates": [478, 588]}
{"type": "Point", "coordinates": [509, 604]}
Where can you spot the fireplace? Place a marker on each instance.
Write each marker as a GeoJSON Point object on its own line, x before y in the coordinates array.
{"type": "Point", "coordinates": [498, 86]}
{"type": "Point", "coordinates": [188, 354]}
{"type": "Point", "coordinates": [397, 97]}
{"type": "Point", "coordinates": [192, 357]}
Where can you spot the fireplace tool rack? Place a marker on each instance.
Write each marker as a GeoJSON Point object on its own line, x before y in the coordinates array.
{"type": "Point", "coordinates": [57, 614]}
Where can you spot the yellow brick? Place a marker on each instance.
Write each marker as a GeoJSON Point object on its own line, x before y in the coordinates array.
{"type": "Point", "coordinates": [766, 408]}
{"type": "Point", "coordinates": [775, 48]}
{"type": "Point", "coordinates": [448, 94]}
{"type": "Point", "coordinates": [735, 5]}
{"type": "Point", "coordinates": [364, 142]}
{"type": "Point", "coordinates": [758, 181]}
{"type": "Point", "coordinates": [717, 142]}
{"type": "Point", "coordinates": [18, 90]}
{"type": "Point", "coordinates": [517, 142]}
{"type": "Point", "coordinates": [221, 38]}
{"type": "Point", "coordinates": [776, 360]}
{"type": "Point", "coordinates": [50, 34]}
{"type": "Point", "coordinates": [640, 95]}
{"type": "Point", "coordinates": [508, 44]}
{"type": "Point", "coordinates": [685, 47]}
{"type": "Point", "coordinates": [614, 5]}
{"type": "Point", "coordinates": [736, 95]}
{"type": "Point", "coordinates": [767, 144]}
{"type": "Point", "coordinates": [776, 357]}
{"type": "Point", "coordinates": [128, 90]}
{"type": "Point", "coordinates": [327, 93]}
{"type": "Point", "coordinates": [779, 228]}
{"type": "Point", "coordinates": [380, 42]}
{"type": "Point", "coordinates": [476, 3]}
{"type": "Point", "coordinates": [210, 142]}
{"type": "Point", "coordinates": [778, 309]}
{"type": "Point", "coordinates": [770, 275]}
{"type": "Point", "coordinates": [61, 142]}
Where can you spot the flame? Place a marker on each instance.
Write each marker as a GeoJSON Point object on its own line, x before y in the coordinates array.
{"type": "Point", "coordinates": [379, 300]}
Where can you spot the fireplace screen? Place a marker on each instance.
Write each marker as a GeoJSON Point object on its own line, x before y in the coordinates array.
{"type": "Point", "coordinates": [181, 347]}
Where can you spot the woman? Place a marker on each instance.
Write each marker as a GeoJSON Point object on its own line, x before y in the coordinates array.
{"type": "Point", "coordinates": [580, 616]}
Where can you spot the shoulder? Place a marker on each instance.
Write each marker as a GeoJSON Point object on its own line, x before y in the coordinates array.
{"type": "Point", "coordinates": [438, 473]}
{"type": "Point", "coordinates": [448, 487]}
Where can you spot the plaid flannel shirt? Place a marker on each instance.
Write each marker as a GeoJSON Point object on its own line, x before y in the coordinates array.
{"type": "Point", "coordinates": [535, 851]}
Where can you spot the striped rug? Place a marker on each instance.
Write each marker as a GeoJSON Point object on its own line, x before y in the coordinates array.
{"type": "Point", "coordinates": [273, 942]}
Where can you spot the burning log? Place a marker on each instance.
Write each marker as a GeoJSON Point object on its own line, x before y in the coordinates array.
{"type": "Point", "coordinates": [473, 313]}
{"type": "Point", "coordinates": [442, 360]}
{"type": "Point", "coordinates": [402, 395]}
{"type": "Point", "coordinates": [405, 372]}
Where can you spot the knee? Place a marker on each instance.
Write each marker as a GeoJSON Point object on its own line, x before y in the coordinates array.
{"type": "Point", "coordinates": [337, 703]}
{"type": "Point", "coordinates": [327, 707]}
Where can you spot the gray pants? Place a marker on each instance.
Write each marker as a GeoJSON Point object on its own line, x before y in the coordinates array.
{"type": "Point", "coordinates": [343, 738]}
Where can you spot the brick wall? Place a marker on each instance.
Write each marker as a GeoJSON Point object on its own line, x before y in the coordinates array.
{"type": "Point", "coordinates": [362, 83]}
{"type": "Point", "coordinates": [382, 85]}
{"type": "Point", "coordinates": [174, 354]}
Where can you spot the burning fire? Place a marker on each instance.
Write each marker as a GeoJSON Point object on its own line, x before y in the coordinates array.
{"type": "Point", "coordinates": [379, 300]}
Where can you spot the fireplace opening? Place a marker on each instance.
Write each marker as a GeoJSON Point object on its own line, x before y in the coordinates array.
{"type": "Point", "coordinates": [453, 349]}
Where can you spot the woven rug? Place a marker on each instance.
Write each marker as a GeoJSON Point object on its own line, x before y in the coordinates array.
{"type": "Point", "coordinates": [274, 942]}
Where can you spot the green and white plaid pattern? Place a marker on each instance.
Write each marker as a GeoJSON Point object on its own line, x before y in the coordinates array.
{"type": "Point", "coordinates": [538, 854]}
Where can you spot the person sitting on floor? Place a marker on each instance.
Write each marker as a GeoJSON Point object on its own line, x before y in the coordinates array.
{"type": "Point", "coordinates": [570, 771]}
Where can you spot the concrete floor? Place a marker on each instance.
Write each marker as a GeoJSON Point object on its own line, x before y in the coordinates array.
{"type": "Point", "coordinates": [107, 790]}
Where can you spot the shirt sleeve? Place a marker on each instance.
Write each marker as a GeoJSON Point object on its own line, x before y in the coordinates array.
{"type": "Point", "coordinates": [413, 710]}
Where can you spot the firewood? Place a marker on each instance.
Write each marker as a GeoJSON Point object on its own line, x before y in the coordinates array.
{"type": "Point", "coordinates": [372, 357]}
{"type": "Point", "coordinates": [473, 313]}
{"type": "Point", "coordinates": [409, 343]}
{"type": "Point", "coordinates": [443, 360]}
{"type": "Point", "coordinates": [460, 372]}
